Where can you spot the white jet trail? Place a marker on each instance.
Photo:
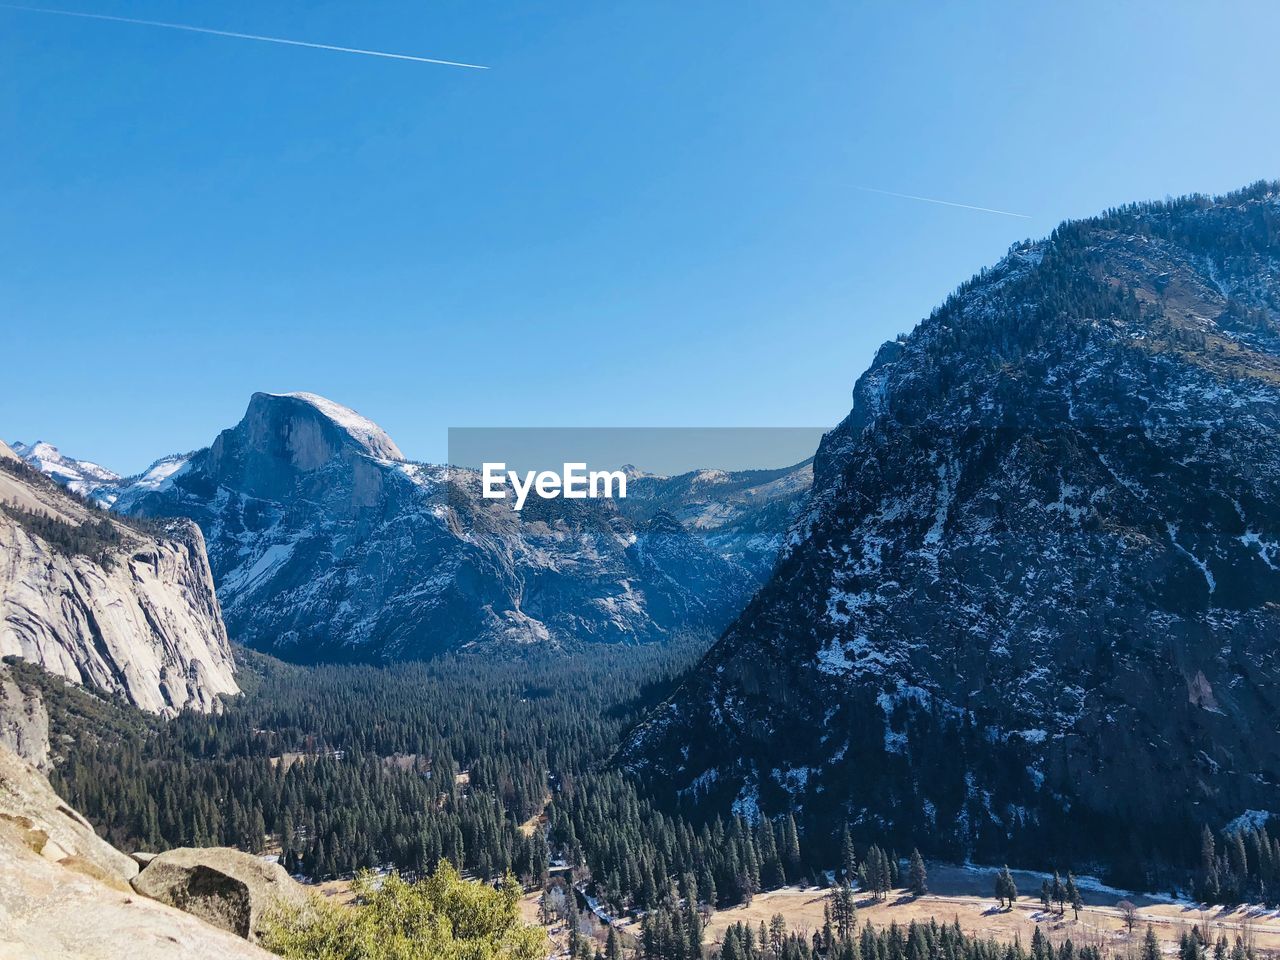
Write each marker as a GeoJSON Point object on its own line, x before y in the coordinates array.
{"type": "Point", "coordinates": [945, 203]}
{"type": "Point", "coordinates": [243, 36]}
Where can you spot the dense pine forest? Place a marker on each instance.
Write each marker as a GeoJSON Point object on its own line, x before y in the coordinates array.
{"type": "Point", "coordinates": [494, 766]}
{"type": "Point", "coordinates": [497, 767]}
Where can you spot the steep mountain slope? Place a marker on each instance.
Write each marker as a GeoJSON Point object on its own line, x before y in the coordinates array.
{"type": "Point", "coordinates": [1034, 602]}
{"type": "Point", "coordinates": [79, 476]}
{"type": "Point", "coordinates": [743, 515]}
{"type": "Point", "coordinates": [326, 544]}
{"type": "Point", "coordinates": [101, 601]}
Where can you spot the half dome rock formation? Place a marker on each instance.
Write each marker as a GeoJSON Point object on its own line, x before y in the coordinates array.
{"type": "Point", "coordinates": [106, 602]}
{"type": "Point", "coordinates": [1032, 607]}
{"type": "Point", "coordinates": [326, 544]}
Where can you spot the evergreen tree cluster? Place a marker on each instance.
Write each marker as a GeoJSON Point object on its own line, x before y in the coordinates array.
{"type": "Point", "coordinates": [1245, 866]}
{"type": "Point", "coordinates": [350, 767]}
{"type": "Point", "coordinates": [931, 940]}
{"type": "Point", "coordinates": [96, 538]}
{"type": "Point", "coordinates": [920, 940]}
{"type": "Point", "coordinates": [878, 872]}
{"type": "Point", "coordinates": [630, 848]}
{"type": "Point", "coordinates": [1196, 945]}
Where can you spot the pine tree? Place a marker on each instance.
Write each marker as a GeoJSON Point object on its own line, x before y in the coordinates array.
{"type": "Point", "coordinates": [1150, 945]}
{"type": "Point", "coordinates": [1039, 945]}
{"type": "Point", "coordinates": [791, 847]}
{"type": "Point", "coordinates": [919, 878]}
{"type": "Point", "coordinates": [1006, 890]}
{"type": "Point", "coordinates": [843, 912]}
{"type": "Point", "coordinates": [777, 934]}
{"type": "Point", "coordinates": [1073, 895]}
{"type": "Point", "coordinates": [848, 858]}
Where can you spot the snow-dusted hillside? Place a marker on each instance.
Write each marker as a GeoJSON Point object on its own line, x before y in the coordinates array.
{"type": "Point", "coordinates": [80, 476]}
{"type": "Point", "coordinates": [326, 544]}
{"type": "Point", "coordinates": [101, 602]}
{"type": "Point", "coordinates": [1035, 596]}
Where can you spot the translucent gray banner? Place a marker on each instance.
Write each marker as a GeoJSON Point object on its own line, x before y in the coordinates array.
{"type": "Point", "coordinates": [662, 451]}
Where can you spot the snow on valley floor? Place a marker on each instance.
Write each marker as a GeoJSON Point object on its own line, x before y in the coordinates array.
{"type": "Point", "coordinates": [965, 893]}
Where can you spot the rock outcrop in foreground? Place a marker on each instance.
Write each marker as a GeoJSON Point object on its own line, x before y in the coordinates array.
{"type": "Point", "coordinates": [104, 602]}
{"type": "Point", "coordinates": [65, 894]}
{"type": "Point", "coordinates": [228, 888]}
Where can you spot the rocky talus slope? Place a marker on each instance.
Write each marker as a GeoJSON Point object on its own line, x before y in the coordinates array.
{"type": "Point", "coordinates": [1035, 599]}
{"type": "Point", "coordinates": [105, 603]}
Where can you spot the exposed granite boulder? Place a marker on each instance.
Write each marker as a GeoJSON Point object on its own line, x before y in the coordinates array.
{"type": "Point", "coordinates": [50, 912]}
{"type": "Point", "coordinates": [225, 887]}
{"type": "Point", "coordinates": [64, 892]}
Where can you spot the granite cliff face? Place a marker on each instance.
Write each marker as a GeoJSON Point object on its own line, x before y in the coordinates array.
{"type": "Point", "coordinates": [1034, 599]}
{"type": "Point", "coordinates": [24, 721]}
{"type": "Point", "coordinates": [103, 602]}
{"type": "Point", "coordinates": [325, 543]}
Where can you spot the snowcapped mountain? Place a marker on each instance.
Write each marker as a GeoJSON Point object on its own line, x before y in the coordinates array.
{"type": "Point", "coordinates": [743, 515]}
{"type": "Point", "coordinates": [325, 543]}
{"type": "Point", "coordinates": [1031, 607]}
{"type": "Point", "coordinates": [126, 608]}
{"type": "Point", "coordinates": [79, 476]}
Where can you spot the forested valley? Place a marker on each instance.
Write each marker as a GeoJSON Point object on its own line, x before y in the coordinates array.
{"type": "Point", "coordinates": [497, 767]}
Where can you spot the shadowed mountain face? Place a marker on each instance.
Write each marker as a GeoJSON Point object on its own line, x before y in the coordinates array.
{"type": "Point", "coordinates": [326, 544]}
{"type": "Point", "coordinates": [1034, 599]}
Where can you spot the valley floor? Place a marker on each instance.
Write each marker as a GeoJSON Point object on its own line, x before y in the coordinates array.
{"type": "Point", "coordinates": [964, 894]}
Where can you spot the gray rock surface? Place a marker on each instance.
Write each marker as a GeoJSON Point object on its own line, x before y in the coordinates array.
{"type": "Point", "coordinates": [33, 813]}
{"type": "Point", "coordinates": [101, 602]}
{"type": "Point", "coordinates": [64, 893]}
{"type": "Point", "coordinates": [220, 885]}
{"type": "Point", "coordinates": [24, 722]}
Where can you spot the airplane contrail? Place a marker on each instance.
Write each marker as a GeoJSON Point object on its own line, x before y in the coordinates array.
{"type": "Point", "coordinates": [945, 203]}
{"type": "Point", "coordinates": [243, 36]}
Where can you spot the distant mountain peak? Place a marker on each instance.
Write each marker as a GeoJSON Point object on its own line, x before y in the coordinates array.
{"type": "Point", "coordinates": [82, 476]}
{"type": "Point", "coordinates": [360, 429]}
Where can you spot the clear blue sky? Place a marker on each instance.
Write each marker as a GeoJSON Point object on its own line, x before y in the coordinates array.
{"type": "Point", "coordinates": [644, 214]}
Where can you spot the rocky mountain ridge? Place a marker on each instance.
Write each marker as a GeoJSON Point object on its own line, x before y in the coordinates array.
{"type": "Point", "coordinates": [325, 543]}
{"type": "Point", "coordinates": [79, 476]}
{"type": "Point", "coordinates": [1039, 572]}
